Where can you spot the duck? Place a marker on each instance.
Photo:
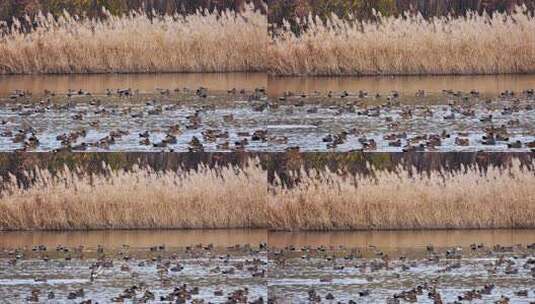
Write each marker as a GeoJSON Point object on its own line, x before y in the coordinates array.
{"type": "Point", "coordinates": [174, 129]}
{"type": "Point", "coordinates": [228, 118]}
{"type": "Point", "coordinates": [449, 116]}
{"type": "Point", "coordinates": [259, 135]}
{"type": "Point", "coordinates": [170, 139]}
{"type": "Point", "coordinates": [369, 144]}
{"type": "Point", "coordinates": [202, 92]}
{"type": "Point", "coordinates": [395, 143]}
{"type": "Point", "coordinates": [410, 148]}
{"type": "Point", "coordinates": [31, 142]}
{"type": "Point", "coordinates": [19, 137]}
{"type": "Point", "coordinates": [240, 144]}
{"type": "Point", "coordinates": [515, 145]}
{"type": "Point", "coordinates": [81, 147]}
{"type": "Point", "coordinates": [487, 118]}
{"type": "Point", "coordinates": [195, 145]}
{"type": "Point", "coordinates": [79, 293]}
{"type": "Point", "coordinates": [489, 139]}
{"type": "Point", "coordinates": [280, 140]}
{"type": "Point", "coordinates": [459, 141]}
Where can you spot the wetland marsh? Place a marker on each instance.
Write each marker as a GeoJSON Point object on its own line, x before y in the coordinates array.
{"type": "Point", "coordinates": [180, 118]}
{"type": "Point", "coordinates": [257, 266]}
{"type": "Point", "coordinates": [214, 152]}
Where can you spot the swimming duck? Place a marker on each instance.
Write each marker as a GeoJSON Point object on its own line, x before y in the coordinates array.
{"type": "Point", "coordinates": [170, 139]}
{"type": "Point", "coordinates": [462, 141]}
{"type": "Point", "coordinates": [515, 145]}
{"type": "Point", "coordinates": [195, 145]}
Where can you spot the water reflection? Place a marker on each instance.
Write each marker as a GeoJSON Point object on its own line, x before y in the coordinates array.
{"type": "Point", "coordinates": [492, 84]}
{"type": "Point", "coordinates": [179, 238]}
{"type": "Point", "coordinates": [142, 82]}
{"type": "Point", "coordinates": [403, 239]}
{"type": "Point", "coordinates": [134, 238]}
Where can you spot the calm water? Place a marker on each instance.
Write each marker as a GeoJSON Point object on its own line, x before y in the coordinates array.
{"type": "Point", "coordinates": [371, 262]}
{"type": "Point", "coordinates": [372, 267]}
{"type": "Point", "coordinates": [226, 122]}
{"type": "Point", "coordinates": [133, 238]}
{"type": "Point", "coordinates": [58, 273]}
{"type": "Point", "coordinates": [141, 82]}
{"type": "Point", "coordinates": [222, 238]}
{"type": "Point", "coordinates": [492, 84]}
{"type": "Point", "coordinates": [403, 239]}
{"type": "Point", "coordinates": [276, 85]}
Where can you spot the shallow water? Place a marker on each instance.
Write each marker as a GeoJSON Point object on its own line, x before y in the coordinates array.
{"type": "Point", "coordinates": [385, 263]}
{"type": "Point", "coordinates": [394, 240]}
{"type": "Point", "coordinates": [158, 269]}
{"type": "Point", "coordinates": [340, 263]}
{"type": "Point", "coordinates": [391, 240]}
{"type": "Point", "coordinates": [490, 84]}
{"type": "Point", "coordinates": [143, 82]}
{"type": "Point", "coordinates": [134, 238]}
{"type": "Point", "coordinates": [294, 122]}
{"type": "Point", "coordinates": [303, 119]}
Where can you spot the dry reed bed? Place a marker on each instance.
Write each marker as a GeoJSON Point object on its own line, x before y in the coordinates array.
{"type": "Point", "coordinates": [138, 199]}
{"type": "Point", "coordinates": [231, 197]}
{"type": "Point", "coordinates": [202, 42]}
{"type": "Point", "coordinates": [408, 45]}
{"type": "Point", "coordinates": [499, 198]}
{"type": "Point", "coordinates": [230, 41]}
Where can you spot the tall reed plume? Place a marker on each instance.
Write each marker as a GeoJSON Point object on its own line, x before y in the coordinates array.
{"type": "Point", "coordinates": [239, 198]}
{"type": "Point", "coordinates": [202, 42]}
{"type": "Point", "coordinates": [407, 45]}
{"type": "Point", "coordinates": [498, 198]}
{"type": "Point", "coordinates": [220, 198]}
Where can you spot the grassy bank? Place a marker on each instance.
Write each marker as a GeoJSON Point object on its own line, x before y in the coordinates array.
{"type": "Point", "coordinates": [202, 42]}
{"type": "Point", "coordinates": [408, 45]}
{"type": "Point", "coordinates": [230, 198]}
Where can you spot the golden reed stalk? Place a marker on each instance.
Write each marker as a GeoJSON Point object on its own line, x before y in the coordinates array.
{"type": "Point", "coordinates": [202, 42]}
{"type": "Point", "coordinates": [395, 200]}
{"type": "Point", "coordinates": [230, 41]}
{"type": "Point", "coordinates": [407, 45]}
{"type": "Point", "coordinates": [221, 198]}
{"type": "Point", "coordinates": [241, 198]}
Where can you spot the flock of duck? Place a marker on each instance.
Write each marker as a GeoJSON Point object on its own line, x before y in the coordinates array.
{"type": "Point", "coordinates": [238, 274]}
{"type": "Point", "coordinates": [201, 120]}
{"type": "Point", "coordinates": [480, 274]}
{"type": "Point", "coordinates": [194, 274]}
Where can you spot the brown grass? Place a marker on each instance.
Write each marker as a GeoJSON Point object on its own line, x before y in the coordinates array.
{"type": "Point", "coordinates": [239, 198]}
{"type": "Point", "coordinates": [202, 42]}
{"type": "Point", "coordinates": [230, 41]}
{"type": "Point", "coordinates": [140, 199]}
{"type": "Point", "coordinates": [408, 45]}
{"type": "Point", "coordinates": [394, 200]}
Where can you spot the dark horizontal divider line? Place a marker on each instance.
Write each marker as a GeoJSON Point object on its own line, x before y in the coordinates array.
{"type": "Point", "coordinates": [286, 166]}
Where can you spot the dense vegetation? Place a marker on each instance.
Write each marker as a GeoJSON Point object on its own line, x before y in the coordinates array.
{"type": "Point", "coordinates": [278, 9]}
{"type": "Point", "coordinates": [340, 37]}
{"type": "Point", "coordinates": [19, 8]}
{"type": "Point", "coordinates": [363, 9]}
{"type": "Point", "coordinates": [241, 198]}
{"type": "Point", "coordinates": [201, 42]}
